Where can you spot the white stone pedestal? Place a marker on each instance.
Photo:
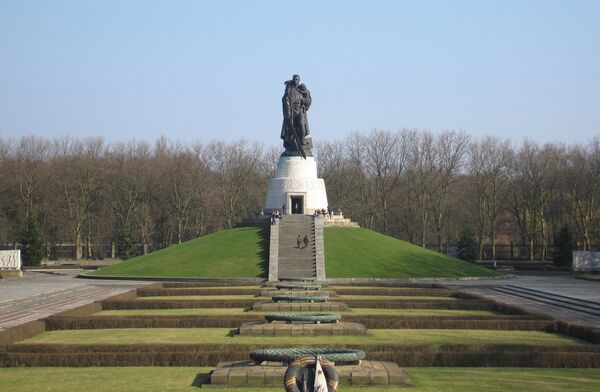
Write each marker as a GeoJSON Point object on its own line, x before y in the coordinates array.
{"type": "Point", "coordinates": [297, 187]}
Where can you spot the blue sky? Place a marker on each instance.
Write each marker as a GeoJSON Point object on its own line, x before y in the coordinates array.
{"type": "Point", "coordinates": [202, 70]}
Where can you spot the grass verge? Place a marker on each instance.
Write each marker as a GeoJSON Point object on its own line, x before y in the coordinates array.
{"type": "Point", "coordinates": [147, 379]}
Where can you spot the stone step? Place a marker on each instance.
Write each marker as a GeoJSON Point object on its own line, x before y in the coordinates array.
{"type": "Point", "coordinates": [294, 261]}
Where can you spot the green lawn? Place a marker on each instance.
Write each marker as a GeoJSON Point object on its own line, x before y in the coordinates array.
{"type": "Point", "coordinates": [224, 336]}
{"type": "Point", "coordinates": [362, 253]}
{"type": "Point", "coordinates": [239, 311]}
{"type": "Point", "coordinates": [159, 379]}
{"type": "Point", "coordinates": [238, 252]}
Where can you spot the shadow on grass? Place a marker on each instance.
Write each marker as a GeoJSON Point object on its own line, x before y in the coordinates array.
{"type": "Point", "coordinates": [232, 333]}
{"type": "Point", "coordinates": [201, 379]}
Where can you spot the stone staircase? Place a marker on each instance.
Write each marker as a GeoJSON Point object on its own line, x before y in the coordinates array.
{"type": "Point", "coordinates": [294, 262]}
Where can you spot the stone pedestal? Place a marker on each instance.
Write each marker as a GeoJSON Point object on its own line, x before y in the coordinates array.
{"type": "Point", "coordinates": [296, 186]}
{"type": "Point", "coordinates": [249, 374]}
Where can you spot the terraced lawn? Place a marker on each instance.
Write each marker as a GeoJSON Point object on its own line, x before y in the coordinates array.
{"type": "Point", "coordinates": [239, 311]}
{"type": "Point", "coordinates": [150, 379]}
{"type": "Point", "coordinates": [338, 298]}
{"type": "Point", "coordinates": [225, 336]}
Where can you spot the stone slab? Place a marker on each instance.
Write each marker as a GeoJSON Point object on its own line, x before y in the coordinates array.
{"type": "Point", "coordinates": [300, 307]}
{"type": "Point", "coordinates": [10, 259]}
{"type": "Point", "coordinates": [249, 374]}
{"type": "Point", "coordinates": [586, 261]}
{"type": "Point", "coordinates": [264, 328]}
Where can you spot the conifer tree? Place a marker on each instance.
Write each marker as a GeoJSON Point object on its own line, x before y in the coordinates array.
{"type": "Point", "coordinates": [466, 248]}
{"type": "Point", "coordinates": [563, 247]}
{"type": "Point", "coordinates": [32, 238]}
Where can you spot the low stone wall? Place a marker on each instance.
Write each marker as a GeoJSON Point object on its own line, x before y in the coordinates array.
{"type": "Point", "coordinates": [248, 374]}
{"type": "Point", "coordinates": [262, 328]}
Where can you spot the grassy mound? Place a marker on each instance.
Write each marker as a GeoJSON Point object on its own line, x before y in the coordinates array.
{"type": "Point", "coordinates": [232, 253]}
{"type": "Point", "coordinates": [362, 253]}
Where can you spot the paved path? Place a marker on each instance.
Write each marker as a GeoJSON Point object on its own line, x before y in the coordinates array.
{"type": "Point", "coordinates": [552, 284]}
{"type": "Point", "coordinates": [38, 294]}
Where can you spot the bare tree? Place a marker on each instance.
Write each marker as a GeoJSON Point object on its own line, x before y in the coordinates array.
{"type": "Point", "coordinates": [78, 174]}
{"type": "Point", "coordinates": [583, 187]}
{"type": "Point", "coordinates": [235, 165]}
{"type": "Point", "coordinates": [129, 164]}
{"type": "Point", "coordinates": [446, 161]}
{"type": "Point", "coordinates": [488, 162]}
{"type": "Point", "coordinates": [31, 156]}
{"type": "Point", "coordinates": [421, 156]}
{"type": "Point", "coordinates": [386, 155]}
{"type": "Point", "coordinates": [356, 146]}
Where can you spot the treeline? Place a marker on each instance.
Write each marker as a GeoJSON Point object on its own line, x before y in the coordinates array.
{"type": "Point", "coordinates": [415, 185]}
{"type": "Point", "coordinates": [425, 187]}
{"type": "Point", "coordinates": [138, 196]}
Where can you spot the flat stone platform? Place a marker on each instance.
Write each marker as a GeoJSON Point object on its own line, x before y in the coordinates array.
{"type": "Point", "coordinates": [249, 374]}
{"type": "Point", "coordinates": [269, 292]}
{"type": "Point", "coordinates": [279, 328]}
{"type": "Point", "coordinates": [300, 307]}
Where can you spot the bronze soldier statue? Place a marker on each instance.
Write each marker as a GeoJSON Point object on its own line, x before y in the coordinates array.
{"type": "Point", "coordinates": [296, 102]}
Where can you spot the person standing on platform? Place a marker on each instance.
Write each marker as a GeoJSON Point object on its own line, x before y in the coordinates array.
{"type": "Point", "coordinates": [298, 241]}
{"type": "Point", "coordinates": [305, 241]}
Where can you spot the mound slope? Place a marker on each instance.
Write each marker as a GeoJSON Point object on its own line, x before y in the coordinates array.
{"type": "Point", "coordinates": [232, 253]}
{"type": "Point", "coordinates": [362, 253]}
{"type": "Point", "coordinates": [243, 253]}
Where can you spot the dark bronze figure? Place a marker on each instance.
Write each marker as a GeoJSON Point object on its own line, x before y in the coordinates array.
{"type": "Point", "coordinates": [296, 102]}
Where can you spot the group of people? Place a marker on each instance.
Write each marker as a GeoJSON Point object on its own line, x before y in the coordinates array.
{"type": "Point", "coordinates": [274, 216]}
{"type": "Point", "coordinates": [324, 212]}
{"type": "Point", "coordinates": [300, 241]}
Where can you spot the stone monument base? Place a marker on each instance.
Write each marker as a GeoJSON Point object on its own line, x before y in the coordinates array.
{"type": "Point", "coordinates": [296, 186]}
{"type": "Point", "coordinates": [300, 307]}
{"type": "Point", "coordinates": [279, 328]}
{"type": "Point", "coordinates": [249, 374]}
{"type": "Point", "coordinates": [11, 273]}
